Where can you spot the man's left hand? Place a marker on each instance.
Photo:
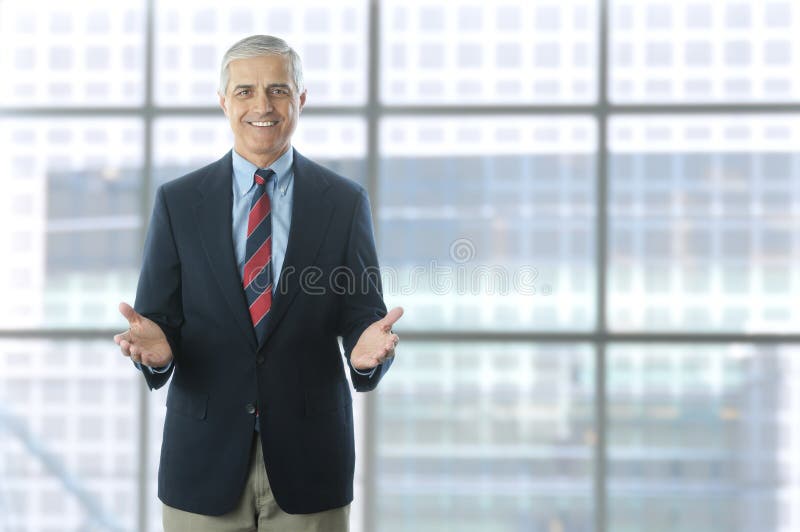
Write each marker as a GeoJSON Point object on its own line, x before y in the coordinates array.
{"type": "Point", "coordinates": [376, 344]}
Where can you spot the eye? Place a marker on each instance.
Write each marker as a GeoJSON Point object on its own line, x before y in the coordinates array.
{"type": "Point", "coordinates": [282, 91]}
{"type": "Point", "coordinates": [243, 92]}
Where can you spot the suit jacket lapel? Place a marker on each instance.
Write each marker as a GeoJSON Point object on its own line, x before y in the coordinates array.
{"type": "Point", "coordinates": [215, 225]}
{"type": "Point", "coordinates": [311, 213]}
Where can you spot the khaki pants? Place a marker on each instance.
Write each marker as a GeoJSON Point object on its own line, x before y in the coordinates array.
{"type": "Point", "coordinates": [257, 511]}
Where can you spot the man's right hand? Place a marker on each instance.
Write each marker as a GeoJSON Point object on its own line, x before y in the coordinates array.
{"type": "Point", "coordinates": [144, 341]}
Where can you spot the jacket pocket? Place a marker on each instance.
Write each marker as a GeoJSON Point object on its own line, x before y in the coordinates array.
{"type": "Point", "coordinates": [192, 404]}
{"type": "Point", "coordinates": [328, 398]}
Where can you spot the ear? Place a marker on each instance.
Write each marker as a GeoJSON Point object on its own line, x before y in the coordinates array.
{"type": "Point", "coordinates": [223, 103]}
{"type": "Point", "coordinates": [302, 100]}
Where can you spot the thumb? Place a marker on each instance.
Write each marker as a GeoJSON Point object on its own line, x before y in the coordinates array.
{"type": "Point", "coordinates": [127, 311]}
{"type": "Point", "coordinates": [391, 318]}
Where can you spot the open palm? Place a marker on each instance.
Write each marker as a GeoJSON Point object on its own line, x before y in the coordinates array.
{"type": "Point", "coordinates": [144, 342]}
{"type": "Point", "coordinates": [376, 344]}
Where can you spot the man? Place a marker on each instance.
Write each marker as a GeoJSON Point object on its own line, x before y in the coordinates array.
{"type": "Point", "coordinates": [253, 267]}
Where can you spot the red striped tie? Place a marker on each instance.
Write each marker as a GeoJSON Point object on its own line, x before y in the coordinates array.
{"type": "Point", "coordinates": [257, 278]}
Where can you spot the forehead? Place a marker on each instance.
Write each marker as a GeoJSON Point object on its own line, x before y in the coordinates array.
{"type": "Point", "coordinates": [262, 68]}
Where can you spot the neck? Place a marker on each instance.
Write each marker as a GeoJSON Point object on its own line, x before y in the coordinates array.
{"type": "Point", "coordinates": [262, 160]}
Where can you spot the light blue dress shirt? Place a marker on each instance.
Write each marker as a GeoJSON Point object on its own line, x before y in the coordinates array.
{"type": "Point", "coordinates": [280, 190]}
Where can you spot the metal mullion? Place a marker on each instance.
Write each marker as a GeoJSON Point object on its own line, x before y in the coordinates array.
{"type": "Point", "coordinates": [312, 110]}
{"type": "Point", "coordinates": [583, 109]}
{"type": "Point", "coordinates": [373, 115]}
{"type": "Point", "coordinates": [457, 336]}
{"type": "Point", "coordinates": [374, 106]}
{"type": "Point", "coordinates": [58, 334]}
{"type": "Point", "coordinates": [598, 337]}
{"type": "Point", "coordinates": [705, 108]}
{"type": "Point", "coordinates": [144, 211]}
{"type": "Point", "coordinates": [330, 110]}
{"type": "Point", "coordinates": [600, 480]}
{"type": "Point", "coordinates": [46, 112]}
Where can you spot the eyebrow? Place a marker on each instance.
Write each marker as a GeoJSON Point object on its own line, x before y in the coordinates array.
{"type": "Point", "coordinates": [270, 86]}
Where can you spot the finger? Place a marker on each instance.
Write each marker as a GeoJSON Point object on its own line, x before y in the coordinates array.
{"type": "Point", "coordinates": [391, 318]}
{"type": "Point", "coordinates": [386, 352]}
{"type": "Point", "coordinates": [394, 339]}
{"type": "Point", "coordinates": [127, 311]}
{"type": "Point", "coordinates": [122, 336]}
{"type": "Point", "coordinates": [126, 347]}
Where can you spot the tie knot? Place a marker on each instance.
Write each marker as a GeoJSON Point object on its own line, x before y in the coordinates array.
{"type": "Point", "coordinates": [263, 175]}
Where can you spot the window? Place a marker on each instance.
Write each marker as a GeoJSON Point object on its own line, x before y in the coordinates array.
{"type": "Point", "coordinates": [598, 268]}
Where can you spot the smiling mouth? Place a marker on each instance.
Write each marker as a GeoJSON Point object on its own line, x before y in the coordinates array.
{"type": "Point", "coordinates": [263, 124]}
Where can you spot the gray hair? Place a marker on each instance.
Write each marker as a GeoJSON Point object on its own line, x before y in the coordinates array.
{"type": "Point", "coordinates": [258, 45]}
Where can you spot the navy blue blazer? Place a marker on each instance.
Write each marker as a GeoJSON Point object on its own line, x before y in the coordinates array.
{"type": "Point", "coordinates": [329, 287]}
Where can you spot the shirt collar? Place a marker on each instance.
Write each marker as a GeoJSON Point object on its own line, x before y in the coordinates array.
{"type": "Point", "coordinates": [243, 170]}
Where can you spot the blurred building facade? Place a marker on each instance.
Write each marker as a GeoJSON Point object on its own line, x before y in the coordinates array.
{"type": "Point", "coordinates": [487, 220]}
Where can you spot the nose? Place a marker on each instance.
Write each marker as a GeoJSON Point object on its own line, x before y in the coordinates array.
{"type": "Point", "coordinates": [262, 103]}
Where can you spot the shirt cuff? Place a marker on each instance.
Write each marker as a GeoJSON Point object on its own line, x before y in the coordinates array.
{"type": "Point", "coordinates": [369, 373]}
{"type": "Point", "coordinates": [153, 371]}
{"type": "Point", "coordinates": [163, 369]}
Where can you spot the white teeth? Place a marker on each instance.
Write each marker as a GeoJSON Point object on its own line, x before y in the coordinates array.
{"type": "Point", "coordinates": [264, 124]}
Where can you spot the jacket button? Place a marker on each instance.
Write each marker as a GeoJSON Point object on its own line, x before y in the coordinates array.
{"type": "Point", "coordinates": [250, 407]}
{"type": "Point", "coordinates": [260, 359]}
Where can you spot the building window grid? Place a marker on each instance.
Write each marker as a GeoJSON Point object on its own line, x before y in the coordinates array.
{"type": "Point", "coordinates": [372, 112]}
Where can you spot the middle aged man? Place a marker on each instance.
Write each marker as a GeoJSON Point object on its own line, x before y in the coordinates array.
{"type": "Point", "coordinates": [253, 267]}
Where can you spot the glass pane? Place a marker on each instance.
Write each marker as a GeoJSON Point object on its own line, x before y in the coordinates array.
{"type": "Point", "coordinates": [486, 437]}
{"type": "Point", "coordinates": [186, 144]}
{"type": "Point", "coordinates": [704, 223]}
{"type": "Point", "coordinates": [704, 51]}
{"type": "Point", "coordinates": [488, 52]}
{"type": "Point", "coordinates": [182, 145]}
{"type": "Point", "coordinates": [703, 438]}
{"type": "Point", "coordinates": [191, 39]}
{"type": "Point", "coordinates": [71, 212]}
{"type": "Point", "coordinates": [338, 143]}
{"type": "Point", "coordinates": [69, 412]}
{"type": "Point", "coordinates": [72, 53]}
{"type": "Point", "coordinates": [157, 411]}
{"type": "Point", "coordinates": [488, 222]}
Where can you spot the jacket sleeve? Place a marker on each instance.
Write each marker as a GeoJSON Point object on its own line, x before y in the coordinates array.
{"type": "Point", "coordinates": [365, 304]}
{"type": "Point", "coordinates": [158, 295]}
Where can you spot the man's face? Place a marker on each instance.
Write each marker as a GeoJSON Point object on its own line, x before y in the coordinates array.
{"type": "Point", "coordinates": [263, 106]}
